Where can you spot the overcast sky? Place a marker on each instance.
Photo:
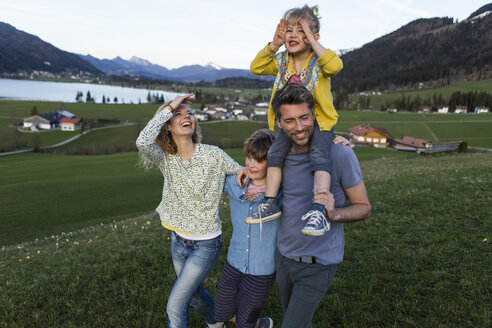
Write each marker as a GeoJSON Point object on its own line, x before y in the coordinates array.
{"type": "Point", "coordinates": [226, 32]}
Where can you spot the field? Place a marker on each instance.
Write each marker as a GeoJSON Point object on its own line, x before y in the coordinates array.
{"type": "Point", "coordinates": [81, 246]}
{"type": "Point", "coordinates": [44, 194]}
{"type": "Point", "coordinates": [380, 100]}
{"type": "Point", "coordinates": [421, 260]}
{"type": "Point", "coordinates": [474, 129]}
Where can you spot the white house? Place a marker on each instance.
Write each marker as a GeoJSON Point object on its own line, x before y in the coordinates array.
{"type": "Point", "coordinates": [202, 116]}
{"type": "Point", "coordinates": [44, 121]}
{"type": "Point", "coordinates": [70, 124]}
{"type": "Point", "coordinates": [442, 109]}
{"type": "Point", "coordinates": [481, 110]}
{"type": "Point", "coordinates": [461, 110]}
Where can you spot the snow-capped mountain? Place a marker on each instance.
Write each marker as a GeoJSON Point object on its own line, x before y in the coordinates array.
{"type": "Point", "coordinates": [141, 67]}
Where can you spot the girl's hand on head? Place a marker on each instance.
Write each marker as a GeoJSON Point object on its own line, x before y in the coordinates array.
{"type": "Point", "coordinates": [310, 37]}
{"type": "Point", "coordinates": [185, 99]}
{"type": "Point", "coordinates": [279, 36]}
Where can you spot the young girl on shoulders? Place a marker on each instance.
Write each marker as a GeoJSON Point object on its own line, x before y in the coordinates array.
{"type": "Point", "coordinates": [194, 176]}
{"type": "Point", "coordinates": [305, 61]}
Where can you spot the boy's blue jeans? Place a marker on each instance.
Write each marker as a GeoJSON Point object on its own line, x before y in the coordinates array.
{"type": "Point", "coordinates": [193, 261]}
{"type": "Point", "coordinates": [319, 149]}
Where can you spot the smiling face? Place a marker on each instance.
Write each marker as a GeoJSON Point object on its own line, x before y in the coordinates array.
{"type": "Point", "coordinates": [256, 170]}
{"type": "Point", "coordinates": [295, 39]}
{"type": "Point", "coordinates": [182, 122]}
{"type": "Point", "coordinates": [297, 122]}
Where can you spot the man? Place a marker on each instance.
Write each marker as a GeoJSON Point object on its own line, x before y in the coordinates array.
{"type": "Point", "coordinates": [306, 265]}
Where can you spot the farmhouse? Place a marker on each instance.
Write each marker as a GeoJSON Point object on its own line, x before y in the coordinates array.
{"type": "Point", "coordinates": [461, 110]}
{"type": "Point", "coordinates": [261, 108]}
{"type": "Point", "coordinates": [244, 115]}
{"type": "Point", "coordinates": [481, 110]}
{"type": "Point", "coordinates": [441, 109]}
{"type": "Point", "coordinates": [70, 124]}
{"type": "Point", "coordinates": [410, 144]}
{"type": "Point", "coordinates": [201, 116]}
{"type": "Point", "coordinates": [43, 121]}
{"type": "Point", "coordinates": [370, 135]}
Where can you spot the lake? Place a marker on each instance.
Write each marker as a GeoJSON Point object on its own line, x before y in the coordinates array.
{"type": "Point", "coordinates": [66, 92]}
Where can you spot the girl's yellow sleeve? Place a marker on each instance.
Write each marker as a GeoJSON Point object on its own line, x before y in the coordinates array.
{"type": "Point", "coordinates": [330, 63]}
{"type": "Point", "coordinates": [264, 62]}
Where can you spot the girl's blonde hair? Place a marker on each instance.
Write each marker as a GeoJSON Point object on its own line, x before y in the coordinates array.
{"type": "Point", "coordinates": [165, 139]}
{"type": "Point", "coordinates": [306, 13]}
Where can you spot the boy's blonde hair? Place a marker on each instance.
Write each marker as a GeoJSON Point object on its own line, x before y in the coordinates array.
{"type": "Point", "coordinates": [258, 144]}
{"type": "Point", "coordinates": [306, 13]}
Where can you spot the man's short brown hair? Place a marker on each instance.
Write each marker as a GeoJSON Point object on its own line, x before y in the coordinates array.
{"type": "Point", "coordinates": [291, 94]}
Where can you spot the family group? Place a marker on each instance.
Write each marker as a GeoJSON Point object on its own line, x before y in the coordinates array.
{"type": "Point", "coordinates": [287, 205]}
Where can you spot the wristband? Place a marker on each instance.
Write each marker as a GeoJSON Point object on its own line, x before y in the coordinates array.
{"type": "Point", "coordinates": [172, 109]}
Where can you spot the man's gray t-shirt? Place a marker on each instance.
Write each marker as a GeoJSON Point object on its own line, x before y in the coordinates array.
{"type": "Point", "coordinates": [297, 186]}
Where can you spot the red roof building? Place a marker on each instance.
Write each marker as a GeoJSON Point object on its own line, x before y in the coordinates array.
{"type": "Point", "coordinates": [370, 135]}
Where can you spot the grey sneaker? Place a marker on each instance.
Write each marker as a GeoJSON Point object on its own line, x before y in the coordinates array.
{"type": "Point", "coordinates": [267, 211]}
{"type": "Point", "coordinates": [264, 323]}
{"type": "Point", "coordinates": [317, 223]}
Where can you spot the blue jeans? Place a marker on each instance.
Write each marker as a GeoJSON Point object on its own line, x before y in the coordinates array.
{"type": "Point", "coordinates": [193, 261]}
{"type": "Point", "coordinates": [301, 286]}
{"type": "Point", "coordinates": [319, 149]}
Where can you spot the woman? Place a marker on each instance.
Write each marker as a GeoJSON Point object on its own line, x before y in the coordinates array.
{"type": "Point", "coordinates": [194, 175]}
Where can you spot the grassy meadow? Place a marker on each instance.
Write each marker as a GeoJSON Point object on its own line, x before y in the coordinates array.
{"type": "Point", "coordinates": [421, 260]}
{"type": "Point", "coordinates": [474, 129]}
{"type": "Point", "coordinates": [378, 101]}
{"type": "Point", "coordinates": [80, 245]}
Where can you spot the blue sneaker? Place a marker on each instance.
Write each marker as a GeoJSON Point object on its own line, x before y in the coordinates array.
{"type": "Point", "coordinates": [267, 211]}
{"type": "Point", "coordinates": [264, 323]}
{"type": "Point", "coordinates": [317, 224]}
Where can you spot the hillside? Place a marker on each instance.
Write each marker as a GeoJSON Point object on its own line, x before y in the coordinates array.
{"type": "Point", "coordinates": [20, 51]}
{"type": "Point", "coordinates": [421, 256]}
{"type": "Point", "coordinates": [434, 49]}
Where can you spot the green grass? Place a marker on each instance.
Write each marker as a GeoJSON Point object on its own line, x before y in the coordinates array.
{"type": "Point", "coordinates": [474, 129]}
{"type": "Point", "coordinates": [421, 260]}
{"type": "Point", "coordinates": [64, 193]}
{"type": "Point", "coordinates": [380, 100]}
{"type": "Point", "coordinates": [229, 134]}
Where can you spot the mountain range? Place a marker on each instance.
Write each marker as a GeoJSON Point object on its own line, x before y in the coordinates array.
{"type": "Point", "coordinates": [141, 67]}
{"type": "Point", "coordinates": [432, 49]}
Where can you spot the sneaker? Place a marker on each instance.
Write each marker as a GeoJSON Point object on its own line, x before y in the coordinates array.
{"type": "Point", "coordinates": [317, 223]}
{"type": "Point", "coordinates": [264, 323]}
{"type": "Point", "coordinates": [267, 211]}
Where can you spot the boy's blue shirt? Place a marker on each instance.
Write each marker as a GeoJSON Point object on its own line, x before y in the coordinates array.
{"type": "Point", "coordinates": [249, 253]}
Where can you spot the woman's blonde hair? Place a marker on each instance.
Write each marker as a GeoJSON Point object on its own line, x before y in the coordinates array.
{"type": "Point", "coordinates": [165, 139]}
{"type": "Point", "coordinates": [306, 13]}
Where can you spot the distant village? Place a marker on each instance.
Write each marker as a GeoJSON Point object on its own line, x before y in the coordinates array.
{"type": "Point", "coordinates": [360, 135]}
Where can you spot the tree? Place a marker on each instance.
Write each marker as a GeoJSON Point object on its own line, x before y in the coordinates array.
{"type": "Point", "coordinates": [88, 97]}
{"type": "Point", "coordinates": [115, 100]}
{"type": "Point", "coordinates": [34, 111]}
{"type": "Point", "coordinates": [104, 99]}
